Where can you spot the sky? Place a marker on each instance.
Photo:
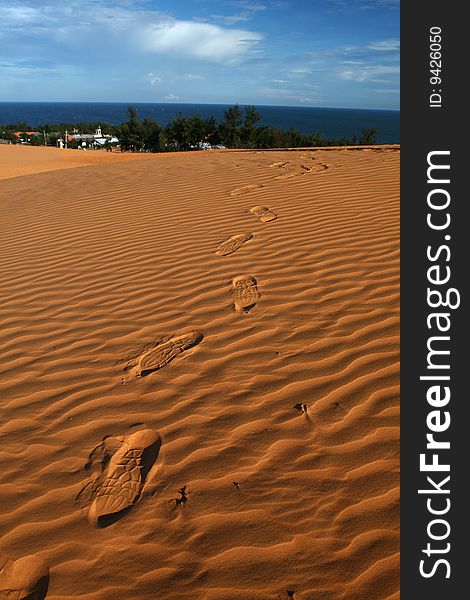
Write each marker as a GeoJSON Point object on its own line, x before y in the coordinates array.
{"type": "Point", "coordinates": [331, 53]}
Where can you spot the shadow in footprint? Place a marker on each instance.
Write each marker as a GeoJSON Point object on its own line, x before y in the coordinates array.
{"type": "Point", "coordinates": [263, 213]}
{"type": "Point", "coordinates": [233, 244]}
{"type": "Point", "coordinates": [245, 189]}
{"type": "Point", "coordinates": [245, 293]}
{"type": "Point", "coordinates": [162, 354]}
{"type": "Point", "coordinates": [107, 520]}
{"type": "Point", "coordinates": [26, 578]}
{"type": "Point", "coordinates": [119, 468]}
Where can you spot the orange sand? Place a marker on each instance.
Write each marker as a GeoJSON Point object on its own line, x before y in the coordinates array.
{"type": "Point", "coordinates": [100, 263]}
{"type": "Point", "coordinates": [16, 160]}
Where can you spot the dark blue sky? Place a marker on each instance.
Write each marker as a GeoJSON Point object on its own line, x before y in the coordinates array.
{"type": "Point", "coordinates": [333, 53]}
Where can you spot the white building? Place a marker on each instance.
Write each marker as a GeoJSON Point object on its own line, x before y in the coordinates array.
{"type": "Point", "coordinates": [93, 140]}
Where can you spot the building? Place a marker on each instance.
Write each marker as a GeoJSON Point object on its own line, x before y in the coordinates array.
{"type": "Point", "coordinates": [92, 140]}
{"type": "Point", "coordinates": [25, 136]}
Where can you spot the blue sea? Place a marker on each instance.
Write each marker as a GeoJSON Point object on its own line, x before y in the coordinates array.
{"type": "Point", "coordinates": [331, 122]}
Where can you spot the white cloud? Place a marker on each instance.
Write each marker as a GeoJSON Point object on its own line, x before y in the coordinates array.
{"type": "Point", "coordinates": [391, 45]}
{"type": "Point", "coordinates": [249, 9]}
{"type": "Point", "coordinates": [73, 25]}
{"type": "Point", "coordinates": [19, 15]}
{"type": "Point", "coordinates": [368, 73]}
{"type": "Point", "coordinates": [153, 79]}
{"type": "Point", "coordinates": [128, 50]}
{"type": "Point", "coordinates": [364, 4]}
{"type": "Point", "coordinates": [199, 40]}
{"type": "Point", "coordinates": [389, 3]}
{"type": "Point", "coordinates": [249, 5]}
{"type": "Point", "coordinates": [291, 95]}
{"type": "Point", "coordinates": [230, 19]}
{"type": "Point", "coordinates": [300, 71]}
{"type": "Point", "coordinates": [193, 77]}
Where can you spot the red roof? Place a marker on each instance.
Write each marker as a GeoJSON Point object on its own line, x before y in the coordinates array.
{"type": "Point", "coordinates": [19, 133]}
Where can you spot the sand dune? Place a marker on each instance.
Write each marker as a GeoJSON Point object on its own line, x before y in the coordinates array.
{"type": "Point", "coordinates": [277, 474]}
{"type": "Point", "coordinates": [17, 160]}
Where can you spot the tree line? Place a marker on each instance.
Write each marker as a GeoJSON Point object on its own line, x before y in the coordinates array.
{"type": "Point", "coordinates": [238, 129]}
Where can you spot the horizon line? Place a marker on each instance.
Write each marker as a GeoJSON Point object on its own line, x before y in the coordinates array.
{"type": "Point", "coordinates": [130, 103]}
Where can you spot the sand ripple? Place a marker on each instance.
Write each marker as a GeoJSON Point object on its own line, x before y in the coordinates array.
{"type": "Point", "coordinates": [102, 263]}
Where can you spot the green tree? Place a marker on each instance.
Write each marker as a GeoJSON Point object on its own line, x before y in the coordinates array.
{"type": "Point", "coordinates": [248, 129]}
{"type": "Point", "coordinates": [231, 127]}
{"type": "Point", "coordinates": [177, 133]}
{"type": "Point", "coordinates": [212, 131]}
{"type": "Point", "coordinates": [36, 140]}
{"type": "Point", "coordinates": [132, 133]}
{"type": "Point", "coordinates": [296, 139]}
{"type": "Point", "coordinates": [9, 136]}
{"type": "Point", "coordinates": [368, 137]}
{"type": "Point", "coordinates": [318, 139]}
{"type": "Point", "coordinates": [151, 135]}
{"type": "Point", "coordinates": [197, 130]}
{"type": "Point", "coordinates": [52, 139]}
{"type": "Point", "coordinates": [22, 126]}
{"type": "Point", "coordinates": [267, 137]}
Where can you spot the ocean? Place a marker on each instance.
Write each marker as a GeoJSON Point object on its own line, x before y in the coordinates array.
{"type": "Point", "coordinates": [331, 122]}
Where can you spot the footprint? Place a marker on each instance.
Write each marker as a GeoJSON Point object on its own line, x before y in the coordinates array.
{"type": "Point", "coordinates": [287, 176]}
{"type": "Point", "coordinates": [233, 244]}
{"type": "Point", "coordinates": [162, 354]}
{"type": "Point", "coordinates": [263, 213]}
{"type": "Point", "coordinates": [24, 579]}
{"type": "Point", "coordinates": [120, 467]}
{"type": "Point", "coordinates": [300, 171]}
{"type": "Point", "coordinates": [245, 293]}
{"type": "Point", "coordinates": [245, 189]}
